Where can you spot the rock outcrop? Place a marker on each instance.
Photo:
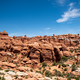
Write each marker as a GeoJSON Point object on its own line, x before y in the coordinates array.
{"type": "Point", "coordinates": [39, 48]}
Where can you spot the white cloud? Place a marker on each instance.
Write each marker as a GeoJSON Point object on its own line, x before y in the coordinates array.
{"type": "Point", "coordinates": [71, 4]}
{"type": "Point", "coordinates": [47, 28]}
{"type": "Point", "coordinates": [71, 13]}
{"type": "Point", "coordinates": [60, 1]}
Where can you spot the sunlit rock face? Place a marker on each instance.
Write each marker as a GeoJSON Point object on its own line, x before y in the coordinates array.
{"type": "Point", "coordinates": [39, 48]}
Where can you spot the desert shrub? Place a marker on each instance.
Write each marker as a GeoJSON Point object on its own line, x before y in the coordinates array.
{"type": "Point", "coordinates": [64, 58]}
{"type": "Point", "coordinates": [77, 78]}
{"type": "Point", "coordinates": [38, 71]}
{"type": "Point", "coordinates": [70, 57]}
{"type": "Point", "coordinates": [49, 68]}
{"type": "Point", "coordinates": [44, 70]}
{"type": "Point", "coordinates": [16, 54]}
{"type": "Point", "coordinates": [55, 70]}
{"type": "Point", "coordinates": [74, 67]}
{"type": "Point", "coordinates": [16, 76]}
{"type": "Point", "coordinates": [26, 77]}
{"type": "Point", "coordinates": [59, 66]}
{"type": "Point", "coordinates": [71, 51]}
{"type": "Point", "coordinates": [0, 68]}
{"type": "Point", "coordinates": [55, 78]}
{"type": "Point", "coordinates": [58, 73]}
{"type": "Point", "coordinates": [40, 68]}
{"type": "Point", "coordinates": [3, 78]}
{"type": "Point", "coordinates": [31, 70]}
{"type": "Point", "coordinates": [75, 51]}
{"type": "Point", "coordinates": [0, 77]}
{"type": "Point", "coordinates": [69, 78]}
{"type": "Point", "coordinates": [63, 65]}
{"type": "Point", "coordinates": [44, 64]}
{"type": "Point", "coordinates": [17, 65]}
{"type": "Point", "coordinates": [65, 69]}
{"type": "Point", "coordinates": [64, 74]}
{"type": "Point", "coordinates": [76, 63]}
{"type": "Point", "coordinates": [48, 73]}
{"type": "Point", "coordinates": [7, 70]}
{"type": "Point", "coordinates": [54, 64]}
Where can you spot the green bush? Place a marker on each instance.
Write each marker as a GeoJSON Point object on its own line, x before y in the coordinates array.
{"type": "Point", "coordinates": [75, 51]}
{"type": "Point", "coordinates": [44, 64]}
{"type": "Point", "coordinates": [26, 77]}
{"type": "Point", "coordinates": [38, 71]}
{"type": "Point", "coordinates": [77, 78]}
{"type": "Point", "coordinates": [68, 74]}
{"type": "Point", "coordinates": [64, 58]}
{"type": "Point", "coordinates": [69, 78]}
{"type": "Point", "coordinates": [0, 68]}
{"type": "Point", "coordinates": [31, 70]}
{"type": "Point", "coordinates": [59, 66]}
{"type": "Point", "coordinates": [71, 51]}
{"type": "Point", "coordinates": [48, 73]}
{"type": "Point", "coordinates": [3, 78]}
{"type": "Point", "coordinates": [16, 76]}
{"type": "Point", "coordinates": [55, 70]}
{"type": "Point", "coordinates": [74, 67]}
{"type": "Point", "coordinates": [54, 64]}
{"type": "Point", "coordinates": [58, 73]}
{"type": "Point", "coordinates": [63, 65]}
{"type": "Point", "coordinates": [49, 68]}
{"type": "Point", "coordinates": [0, 77]}
{"type": "Point", "coordinates": [65, 69]}
{"type": "Point", "coordinates": [7, 70]}
{"type": "Point", "coordinates": [40, 68]}
{"type": "Point", "coordinates": [44, 70]}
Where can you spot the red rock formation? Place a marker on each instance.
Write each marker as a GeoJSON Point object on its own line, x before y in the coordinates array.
{"type": "Point", "coordinates": [47, 48]}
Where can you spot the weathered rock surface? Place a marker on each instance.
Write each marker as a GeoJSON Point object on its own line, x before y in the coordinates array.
{"type": "Point", "coordinates": [46, 48]}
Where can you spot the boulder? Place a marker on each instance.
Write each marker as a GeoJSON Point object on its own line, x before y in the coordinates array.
{"type": "Point", "coordinates": [35, 55]}
{"type": "Point", "coordinates": [66, 53]}
{"type": "Point", "coordinates": [12, 65]}
{"type": "Point", "coordinates": [3, 53]}
{"type": "Point", "coordinates": [16, 49]}
{"type": "Point", "coordinates": [25, 59]}
{"type": "Point", "coordinates": [58, 53]}
{"type": "Point", "coordinates": [4, 33]}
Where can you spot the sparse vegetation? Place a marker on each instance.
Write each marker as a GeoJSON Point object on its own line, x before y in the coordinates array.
{"type": "Point", "coordinates": [43, 70]}
{"type": "Point", "coordinates": [63, 65]}
{"type": "Point", "coordinates": [48, 73]}
{"type": "Point", "coordinates": [69, 78]}
{"type": "Point", "coordinates": [31, 70]}
{"type": "Point", "coordinates": [16, 76]}
{"type": "Point", "coordinates": [0, 68]}
{"type": "Point", "coordinates": [54, 64]}
{"type": "Point", "coordinates": [2, 78]}
{"type": "Point", "coordinates": [7, 70]}
{"type": "Point", "coordinates": [58, 73]}
{"type": "Point", "coordinates": [44, 64]}
{"type": "Point", "coordinates": [49, 68]}
{"type": "Point", "coordinates": [40, 68]}
{"type": "Point", "coordinates": [65, 69]}
{"type": "Point", "coordinates": [17, 65]}
{"type": "Point", "coordinates": [59, 66]}
{"type": "Point", "coordinates": [74, 67]}
{"type": "Point", "coordinates": [26, 77]}
{"type": "Point", "coordinates": [64, 58]}
{"type": "Point", "coordinates": [71, 51]}
{"type": "Point", "coordinates": [38, 71]}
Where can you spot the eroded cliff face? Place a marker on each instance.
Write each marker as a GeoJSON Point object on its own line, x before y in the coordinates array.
{"type": "Point", "coordinates": [41, 49]}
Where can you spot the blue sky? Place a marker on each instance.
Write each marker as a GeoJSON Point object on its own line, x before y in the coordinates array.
{"type": "Point", "coordinates": [40, 17]}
